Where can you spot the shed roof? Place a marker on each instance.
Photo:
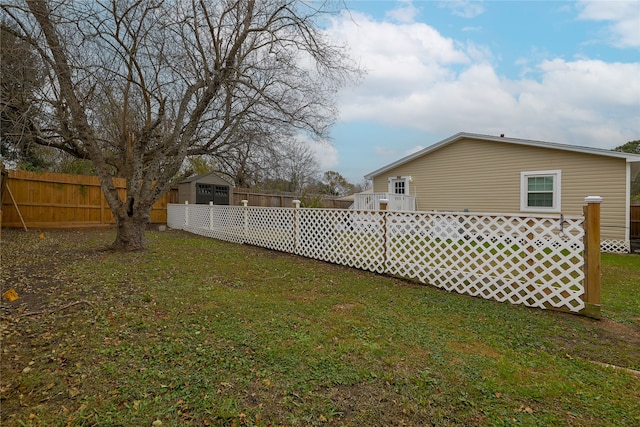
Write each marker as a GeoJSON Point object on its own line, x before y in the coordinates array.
{"type": "Point", "coordinates": [193, 178]}
{"type": "Point", "coordinates": [630, 158]}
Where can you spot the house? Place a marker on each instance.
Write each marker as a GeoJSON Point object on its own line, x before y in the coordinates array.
{"type": "Point", "coordinates": [482, 173]}
{"type": "Point", "coordinates": [205, 188]}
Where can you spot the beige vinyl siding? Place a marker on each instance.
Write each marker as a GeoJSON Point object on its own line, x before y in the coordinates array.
{"type": "Point", "coordinates": [484, 176]}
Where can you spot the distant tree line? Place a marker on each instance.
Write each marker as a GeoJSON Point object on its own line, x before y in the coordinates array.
{"type": "Point", "coordinates": [632, 147]}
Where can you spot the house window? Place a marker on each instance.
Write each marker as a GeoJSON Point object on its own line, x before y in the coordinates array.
{"type": "Point", "coordinates": [399, 185]}
{"type": "Point", "coordinates": [540, 191]}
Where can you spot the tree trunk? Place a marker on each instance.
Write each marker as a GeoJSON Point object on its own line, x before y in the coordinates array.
{"type": "Point", "coordinates": [130, 233]}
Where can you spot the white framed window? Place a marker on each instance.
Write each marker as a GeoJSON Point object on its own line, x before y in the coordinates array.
{"type": "Point", "coordinates": [399, 185]}
{"type": "Point", "coordinates": [540, 191]}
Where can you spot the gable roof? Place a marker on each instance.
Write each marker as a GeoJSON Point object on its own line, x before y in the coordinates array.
{"type": "Point", "coordinates": [630, 158]}
{"type": "Point", "coordinates": [193, 178]}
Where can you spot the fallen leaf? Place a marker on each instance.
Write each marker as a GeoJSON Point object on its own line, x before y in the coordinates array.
{"type": "Point", "coordinates": [11, 295]}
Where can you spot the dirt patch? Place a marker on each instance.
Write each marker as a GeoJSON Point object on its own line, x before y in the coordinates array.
{"type": "Point", "coordinates": [619, 331]}
{"type": "Point", "coordinates": [609, 343]}
{"type": "Point", "coordinates": [33, 263]}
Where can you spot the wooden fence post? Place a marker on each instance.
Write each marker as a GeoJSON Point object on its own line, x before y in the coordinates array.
{"type": "Point", "coordinates": [591, 295]}
{"type": "Point", "coordinates": [186, 213]}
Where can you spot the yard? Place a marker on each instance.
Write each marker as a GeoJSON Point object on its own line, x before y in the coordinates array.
{"type": "Point", "coordinates": [198, 332]}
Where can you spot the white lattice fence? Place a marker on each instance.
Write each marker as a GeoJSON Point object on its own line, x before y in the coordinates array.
{"type": "Point", "coordinates": [535, 261]}
{"type": "Point", "coordinates": [615, 246]}
{"type": "Point", "coordinates": [345, 237]}
{"type": "Point", "coordinates": [175, 216]}
{"type": "Point", "coordinates": [271, 228]}
{"type": "Point", "coordinates": [522, 260]}
{"type": "Point", "coordinates": [218, 222]}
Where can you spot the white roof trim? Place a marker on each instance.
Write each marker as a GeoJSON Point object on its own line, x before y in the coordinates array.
{"type": "Point", "coordinates": [631, 158]}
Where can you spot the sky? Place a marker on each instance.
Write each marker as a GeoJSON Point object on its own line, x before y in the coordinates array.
{"type": "Point", "coordinates": [558, 71]}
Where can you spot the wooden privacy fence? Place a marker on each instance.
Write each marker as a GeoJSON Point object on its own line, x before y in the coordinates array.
{"type": "Point", "coordinates": [634, 226]}
{"type": "Point", "coordinates": [275, 200]}
{"type": "Point", "coordinates": [538, 261]}
{"type": "Point", "coordinates": [52, 200]}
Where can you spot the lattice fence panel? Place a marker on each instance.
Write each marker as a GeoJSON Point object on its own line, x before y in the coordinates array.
{"type": "Point", "coordinates": [218, 222]}
{"type": "Point", "coordinates": [352, 238]}
{"type": "Point", "coordinates": [536, 261]}
{"type": "Point", "coordinates": [271, 228]}
{"type": "Point", "coordinates": [175, 216]}
{"type": "Point", "coordinates": [523, 260]}
{"type": "Point", "coordinates": [615, 246]}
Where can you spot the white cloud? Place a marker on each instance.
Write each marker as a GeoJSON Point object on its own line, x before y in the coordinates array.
{"type": "Point", "coordinates": [401, 60]}
{"type": "Point", "coordinates": [325, 153]}
{"type": "Point", "coordinates": [464, 8]}
{"type": "Point", "coordinates": [385, 152]}
{"type": "Point", "coordinates": [623, 16]}
{"type": "Point", "coordinates": [421, 80]}
{"type": "Point", "coordinates": [405, 12]}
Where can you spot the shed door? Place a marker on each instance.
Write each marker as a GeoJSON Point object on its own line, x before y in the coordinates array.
{"type": "Point", "coordinates": [204, 193]}
{"type": "Point", "coordinates": [221, 195]}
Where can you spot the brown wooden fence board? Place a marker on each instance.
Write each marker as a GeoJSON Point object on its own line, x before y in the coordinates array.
{"type": "Point", "coordinates": [634, 226]}
{"type": "Point", "coordinates": [51, 200]}
{"type": "Point", "coordinates": [282, 200]}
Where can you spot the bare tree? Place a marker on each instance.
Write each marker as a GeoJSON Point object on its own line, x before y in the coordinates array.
{"type": "Point", "coordinates": [20, 79]}
{"type": "Point", "coordinates": [136, 86]}
{"type": "Point", "coordinates": [247, 162]}
{"type": "Point", "coordinates": [294, 164]}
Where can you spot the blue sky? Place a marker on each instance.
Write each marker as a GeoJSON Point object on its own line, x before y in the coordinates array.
{"type": "Point", "coordinates": [565, 72]}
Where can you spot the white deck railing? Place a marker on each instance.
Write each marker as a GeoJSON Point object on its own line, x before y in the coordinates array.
{"type": "Point", "coordinates": [371, 202]}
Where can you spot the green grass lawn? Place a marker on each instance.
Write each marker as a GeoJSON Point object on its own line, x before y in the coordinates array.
{"type": "Point", "coordinates": [202, 332]}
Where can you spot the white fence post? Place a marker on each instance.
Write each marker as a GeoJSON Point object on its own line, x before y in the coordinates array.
{"type": "Point", "coordinates": [296, 206]}
{"type": "Point", "coordinates": [210, 215]}
{"type": "Point", "coordinates": [384, 204]}
{"type": "Point", "coordinates": [245, 220]}
{"type": "Point", "coordinates": [186, 213]}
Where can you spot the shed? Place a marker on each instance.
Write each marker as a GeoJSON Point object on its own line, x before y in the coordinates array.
{"type": "Point", "coordinates": [205, 188]}
{"type": "Point", "coordinates": [484, 173]}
